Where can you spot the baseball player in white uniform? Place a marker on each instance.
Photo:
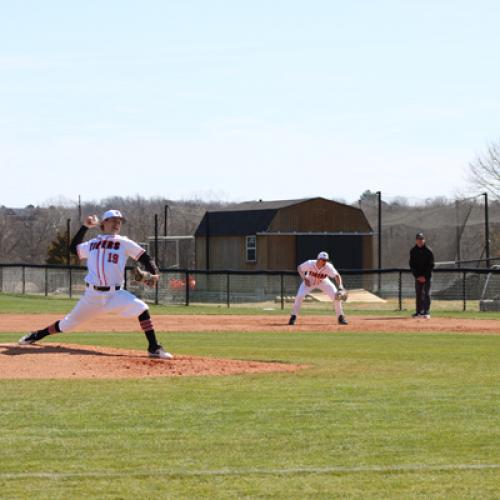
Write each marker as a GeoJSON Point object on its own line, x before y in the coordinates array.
{"type": "Point", "coordinates": [316, 274]}
{"type": "Point", "coordinates": [106, 256]}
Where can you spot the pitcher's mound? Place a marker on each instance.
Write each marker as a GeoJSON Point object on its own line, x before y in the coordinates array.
{"type": "Point", "coordinates": [47, 361]}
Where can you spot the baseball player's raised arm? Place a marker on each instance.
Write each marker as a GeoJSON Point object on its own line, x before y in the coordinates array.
{"type": "Point", "coordinates": [77, 239]}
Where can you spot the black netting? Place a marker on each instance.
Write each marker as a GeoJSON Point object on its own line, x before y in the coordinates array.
{"type": "Point", "coordinates": [452, 289]}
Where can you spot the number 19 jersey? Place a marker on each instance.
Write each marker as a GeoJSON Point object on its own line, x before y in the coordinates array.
{"type": "Point", "coordinates": [107, 256]}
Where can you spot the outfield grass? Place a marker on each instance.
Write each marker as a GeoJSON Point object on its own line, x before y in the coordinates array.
{"type": "Point", "coordinates": [369, 406]}
{"type": "Point", "coordinates": [36, 304]}
{"type": "Point", "coordinates": [375, 416]}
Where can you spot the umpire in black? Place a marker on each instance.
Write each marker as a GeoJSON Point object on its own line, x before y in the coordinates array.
{"type": "Point", "coordinates": [421, 265]}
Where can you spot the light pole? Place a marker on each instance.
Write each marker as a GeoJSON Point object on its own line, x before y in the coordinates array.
{"type": "Point", "coordinates": [486, 230]}
{"type": "Point", "coordinates": [379, 199]}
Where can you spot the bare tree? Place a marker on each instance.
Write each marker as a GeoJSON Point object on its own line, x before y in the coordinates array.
{"type": "Point", "coordinates": [485, 171]}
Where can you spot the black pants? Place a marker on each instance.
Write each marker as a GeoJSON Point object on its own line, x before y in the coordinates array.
{"type": "Point", "coordinates": [423, 296]}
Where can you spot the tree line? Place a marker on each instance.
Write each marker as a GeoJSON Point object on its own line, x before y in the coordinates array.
{"type": "Point", "coordinates": [454, 229]}
{"type": "Point", "coordinates": [38, 235]}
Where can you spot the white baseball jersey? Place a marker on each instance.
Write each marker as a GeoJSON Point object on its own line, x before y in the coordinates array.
{"type": "Point", "coordinates": [317, 274]}
{"type": "Point", "coordinates": [107, 256]}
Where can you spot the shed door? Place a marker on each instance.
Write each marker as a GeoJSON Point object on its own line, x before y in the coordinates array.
{"type": "Point", "coordinates": [346, 251]}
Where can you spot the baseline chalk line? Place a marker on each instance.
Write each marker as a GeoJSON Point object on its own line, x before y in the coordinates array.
{"type": "Point", "coordinates": [249, 471]}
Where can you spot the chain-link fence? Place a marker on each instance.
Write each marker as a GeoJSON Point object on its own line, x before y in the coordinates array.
{"type": "Point", "coordinates": [452, 289]}
{"type": "Point", "coordinates": [465, 231]}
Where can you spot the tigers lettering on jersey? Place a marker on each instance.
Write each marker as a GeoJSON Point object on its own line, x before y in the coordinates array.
{"type": "Point", "coordinates": [320, 276]}
{"type": "Point", "coordinates": [110, 245]}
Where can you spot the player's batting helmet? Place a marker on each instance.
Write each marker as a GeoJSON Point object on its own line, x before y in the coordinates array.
{"type": "Point", "coordinates": [112, 213]}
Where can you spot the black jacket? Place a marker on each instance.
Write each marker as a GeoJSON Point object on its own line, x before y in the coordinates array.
{"type": "Point", "coordinates": [421, 261]}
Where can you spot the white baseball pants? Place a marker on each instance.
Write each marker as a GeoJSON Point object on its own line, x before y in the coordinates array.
{"type": "Point", "coordinates": [325, 286]}
{"type": "Point", "coordinates": [94, 303]}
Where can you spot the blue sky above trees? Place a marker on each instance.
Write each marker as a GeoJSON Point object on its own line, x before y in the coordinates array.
{"type": "Point", "coordinates": [245, 100]}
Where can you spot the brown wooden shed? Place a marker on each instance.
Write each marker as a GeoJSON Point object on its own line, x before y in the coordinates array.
{"type": "Point", "coordinates": [278, 235]}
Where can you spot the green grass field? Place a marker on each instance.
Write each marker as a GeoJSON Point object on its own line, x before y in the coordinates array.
{"type": "Point", "coordinates": [375, 416]}
{"type": "Point", "coordinates": [37, 304]}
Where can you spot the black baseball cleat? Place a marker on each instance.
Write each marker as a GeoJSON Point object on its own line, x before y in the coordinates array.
{"type": "Point", "coordinates": [28, 339]}
{"type": "Point", "coordinates": [159, 353]}
{"type": "Point", "coordinates": [342, 320]}
{"type": "Point", "coordinates": [416, 315]}
{"type": "Point", "coordinates": [292, 319]}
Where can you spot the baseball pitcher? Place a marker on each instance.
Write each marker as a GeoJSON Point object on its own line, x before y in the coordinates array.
{"type": "Point", "coordinates": [106, 256]}
{"type": "Point", "coordinates": [316, 274]}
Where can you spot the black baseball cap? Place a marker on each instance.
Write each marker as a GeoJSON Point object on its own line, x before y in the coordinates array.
{"type": "Point", "coordinates": [420, 236]}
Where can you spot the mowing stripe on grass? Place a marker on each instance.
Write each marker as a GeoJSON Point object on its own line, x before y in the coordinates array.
{"type": "Point", "coordinates": [250, 471]}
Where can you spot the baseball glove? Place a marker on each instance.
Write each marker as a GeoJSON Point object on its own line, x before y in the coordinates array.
{"type": "Point", "coordinates": [144, 277]}
{"type": "Point", "coordinates": [342, 294]}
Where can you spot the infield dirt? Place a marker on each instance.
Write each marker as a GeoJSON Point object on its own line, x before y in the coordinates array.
{"type": "Point", "coordinates": [62, 361]}
{"type": "Point", "coordinates": [236, 323]}
{"type": "Point", "coordinates": [51, 360]}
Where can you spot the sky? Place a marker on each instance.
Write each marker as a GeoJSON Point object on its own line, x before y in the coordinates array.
{"type": "Point", "coordinates": [236, 100]}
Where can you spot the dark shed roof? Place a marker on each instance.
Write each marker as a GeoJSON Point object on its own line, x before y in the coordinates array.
{"type": "Point", "coordinates": [250, 217]}
{"type": "Point", "coordinates": [235, 223]}
{"type": "Point", "coordinates": [260, 205]}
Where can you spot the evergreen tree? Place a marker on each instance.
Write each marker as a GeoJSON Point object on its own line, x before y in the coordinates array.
{"type": "Point", "coordinates": [58, 251]}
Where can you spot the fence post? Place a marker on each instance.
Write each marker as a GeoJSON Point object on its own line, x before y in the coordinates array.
{"type": "Point", "coordinates": [1, 279]}
{"type": "Point", "coordinates": [228, 289]}
{"type": "Point", "coordinates": [186, 277]}
{"type": "Point", "coordinates": [46, 281]}
{"type": "Point", "coordinates": [24, 280]}
{"type": "Point", "coordinates": [282, 291]}
{"type": "Point", "coordinates": [70, 283]}
{"type": "Point", "coordinates": [157, 284]}
{"type": "Point", "coordinates": [157, 260]}
{"type": "Point", "coordinates": [464, 296]}
{"type": "Point", "coordinates": [400, 290]}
